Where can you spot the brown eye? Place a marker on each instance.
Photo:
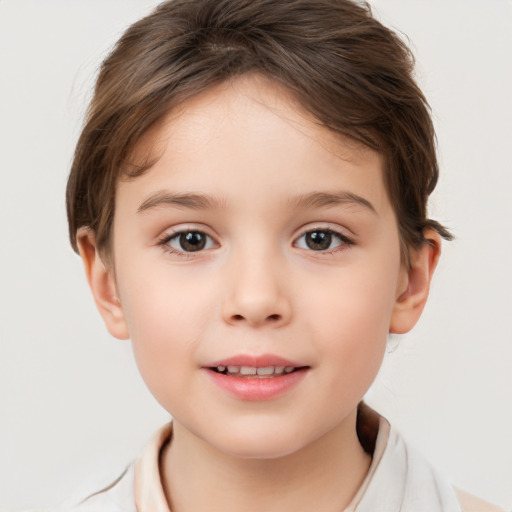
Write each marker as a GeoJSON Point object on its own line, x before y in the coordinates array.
{"type": "Point", "coordinates": [193, 241]}
{"type": "Point", "coordinates": [189, 241]}
{"type": "Point", "coordinates": [318, 240]}
{"type": "Point", "coordinates": [322, 240]}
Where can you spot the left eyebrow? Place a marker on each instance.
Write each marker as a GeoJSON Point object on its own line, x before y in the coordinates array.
{"type": "Point", "coordinates": [206, 202]}
{"type": "Point", "coordinates": [180, 200]}
{"type": "Point", "coordinates": [323, 199]}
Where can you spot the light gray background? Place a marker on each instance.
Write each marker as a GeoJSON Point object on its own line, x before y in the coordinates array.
{"type": "Point", "coordinates": [72, 406]}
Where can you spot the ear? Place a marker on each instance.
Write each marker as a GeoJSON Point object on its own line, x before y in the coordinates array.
{"type": "Point", "coordinates": [101, 280]}
{"type": "Point", "coordinates": [414, 284]}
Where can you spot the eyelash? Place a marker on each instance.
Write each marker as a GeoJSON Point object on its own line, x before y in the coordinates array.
{"type": "Point", "coordinates": [346, 242]}
{"type": "Point", "coordinates": [164, 243]}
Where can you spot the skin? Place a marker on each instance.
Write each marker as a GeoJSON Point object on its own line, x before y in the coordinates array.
{"type": "Point", "coordinates": [257, 288]}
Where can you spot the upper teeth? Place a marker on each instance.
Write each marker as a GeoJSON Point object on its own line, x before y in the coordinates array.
{"type": "Point", "coordinates": [252, 370]}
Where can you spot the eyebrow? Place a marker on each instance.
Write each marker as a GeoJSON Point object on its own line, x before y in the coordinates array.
{"type": "Point", "coordinates": [197, 201]}
{"type": "Point", "coordinates": [181, 200]}
{"type": "Point", "coordinates": [323, 199]}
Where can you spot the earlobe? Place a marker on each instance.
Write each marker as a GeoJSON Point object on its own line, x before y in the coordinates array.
{"type": "Point", "coordinates": [414, 285]}
{"type": "Point", "coordinates": [102, 283]}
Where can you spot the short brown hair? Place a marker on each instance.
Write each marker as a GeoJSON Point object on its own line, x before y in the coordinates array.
{"type": "Point", "coordinates": [349, 71]}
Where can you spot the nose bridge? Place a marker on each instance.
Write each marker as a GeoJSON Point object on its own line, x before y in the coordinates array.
{"type": "Point", "coordinates": [257, 291]}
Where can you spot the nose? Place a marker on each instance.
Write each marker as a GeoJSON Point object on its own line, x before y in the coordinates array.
{"type": "Point", "coordinates": [257, 293]}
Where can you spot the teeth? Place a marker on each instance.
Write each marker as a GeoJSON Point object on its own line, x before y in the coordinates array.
{"type": "Point", "coordinates": [269, 370]}
{"type": "Point", "coordinates": [247, 370]}
{"type": "Point", "coordinates": [250, 371]}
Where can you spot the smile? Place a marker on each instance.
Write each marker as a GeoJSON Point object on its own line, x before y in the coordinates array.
{"type": "Point", "coordinates": [265, 372]}
{"type": "Point", "coordinates": [256, 378]}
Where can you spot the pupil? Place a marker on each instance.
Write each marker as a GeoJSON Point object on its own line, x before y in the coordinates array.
{"type": "Point", "coordinates": [318, 240]}
{"type": "Point", "coordinates": [192, 241]}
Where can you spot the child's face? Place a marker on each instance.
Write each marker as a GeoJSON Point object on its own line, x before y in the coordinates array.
{"type": "Point", "coordinates": [292, 253]}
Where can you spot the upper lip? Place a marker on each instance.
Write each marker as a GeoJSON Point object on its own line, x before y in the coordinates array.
{"type": "Point", "coordinates": [254, 361]}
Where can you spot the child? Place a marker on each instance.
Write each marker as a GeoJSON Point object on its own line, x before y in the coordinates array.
{"type": "Point", "coordinates": [249, 198]}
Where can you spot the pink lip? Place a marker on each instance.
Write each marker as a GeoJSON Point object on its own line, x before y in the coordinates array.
{"type": "Point", "coordinates": [253, 388]}
{"type": "Point", "coordinates": [260, 361]}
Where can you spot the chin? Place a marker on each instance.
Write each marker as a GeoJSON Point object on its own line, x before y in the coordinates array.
{"type": "Point", "coordinates": [261, 448]}
{"type": "Point", "coordinates": [259, 440]}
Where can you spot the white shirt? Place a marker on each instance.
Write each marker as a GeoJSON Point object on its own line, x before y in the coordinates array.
{"type": "Point", "coordinates": [399, 480]}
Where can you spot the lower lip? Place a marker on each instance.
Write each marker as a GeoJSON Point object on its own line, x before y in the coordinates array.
{"type": "Point", "coordinates": [246, 388]}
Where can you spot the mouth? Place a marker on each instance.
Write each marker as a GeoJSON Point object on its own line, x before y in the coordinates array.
{"type": "Point", "coordinates": [256, 372]}
{"type": "Point", "coordinates": [256, 378]}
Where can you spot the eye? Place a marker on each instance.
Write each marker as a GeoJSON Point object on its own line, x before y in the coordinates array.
{"type": "Point", "coordinates": [322, 240]}
{"type": "Point", "coordinates": [188, 241]}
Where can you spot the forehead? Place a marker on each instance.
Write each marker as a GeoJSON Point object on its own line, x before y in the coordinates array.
{"type": "Point", "coordinates": [247, 130]}
{"type": "Point", "coordinates": [251, 100]}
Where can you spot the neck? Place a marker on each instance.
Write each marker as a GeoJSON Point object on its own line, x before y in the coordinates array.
{"type": "Point", "coordinates": [325, 475]}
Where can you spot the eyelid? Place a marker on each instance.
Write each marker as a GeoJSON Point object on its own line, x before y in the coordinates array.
{"type": "Point", "coordinates": [175, 232]}
{"type": "Point", "coordinates": [178, 235]}
{"type": "Point", "coordinates": [346, 240]}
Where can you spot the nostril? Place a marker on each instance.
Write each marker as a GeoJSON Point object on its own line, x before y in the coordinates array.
{"type": "Point", "coordinates": [273, 318]}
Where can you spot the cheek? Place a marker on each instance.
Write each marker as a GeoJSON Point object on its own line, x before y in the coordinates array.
{"type": "Point", "coordinates": [352, 317]}
{"type": "Point", "coordinates": [166, 319]}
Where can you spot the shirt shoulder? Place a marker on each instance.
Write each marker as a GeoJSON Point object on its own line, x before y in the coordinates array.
{"type": "Point", "coordinates": [470, 503]}
{"type": "Point", "coordinates": [118, 496]}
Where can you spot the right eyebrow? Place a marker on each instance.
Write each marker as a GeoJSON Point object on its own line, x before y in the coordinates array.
{"type": "Point", "coordinates": [329, 199]}
{"type": "Point", "coordinates": [181, 200]}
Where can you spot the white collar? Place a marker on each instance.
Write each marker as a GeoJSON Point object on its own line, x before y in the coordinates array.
{"type": "Point", "coordinates": [399, 479]}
